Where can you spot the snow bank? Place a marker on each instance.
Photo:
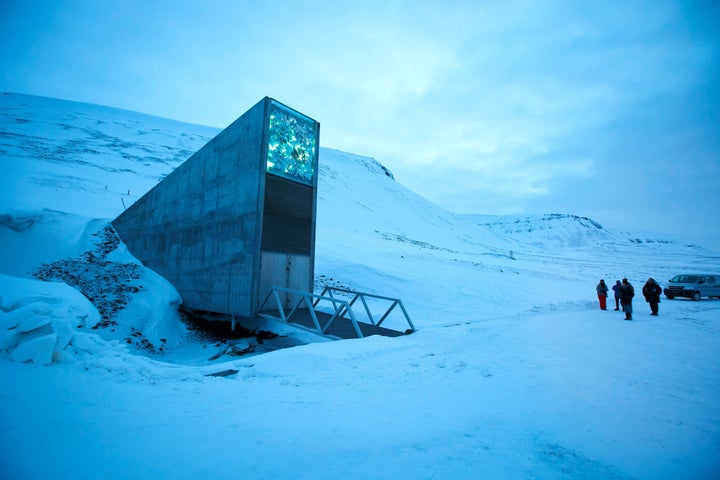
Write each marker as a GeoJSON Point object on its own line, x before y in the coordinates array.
{"type": "Point", "coordinates": [135, 305]}
{"type": "Point", "coordinates": [40, 321]}
{"type": "Point", "coordinates": [153, 310]}
{"type": "Point", "coordinates": [30, 238]}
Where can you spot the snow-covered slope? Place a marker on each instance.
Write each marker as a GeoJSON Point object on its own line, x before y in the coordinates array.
{"type": "Point", "coordinates": [514, 371]}
{"type": "Point", "coordinates": [85, 159]}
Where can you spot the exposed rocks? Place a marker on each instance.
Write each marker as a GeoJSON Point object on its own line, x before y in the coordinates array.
{"type": "Point", "coordinates": [108, 285]}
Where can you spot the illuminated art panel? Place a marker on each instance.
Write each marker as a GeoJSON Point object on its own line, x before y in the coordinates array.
{"type": "Point", "coordinates": [292, 144]}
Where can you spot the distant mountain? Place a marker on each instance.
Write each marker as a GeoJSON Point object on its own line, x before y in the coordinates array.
{"type": "Point", "coordinates": [564, 231]}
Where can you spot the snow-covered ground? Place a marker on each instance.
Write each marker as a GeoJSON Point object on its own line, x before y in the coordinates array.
{"type": "Point", "coordinates": [514, 371]}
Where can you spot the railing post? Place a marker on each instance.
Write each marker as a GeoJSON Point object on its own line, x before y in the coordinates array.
{"type": "Point", "coordinates": [367, 309]}
{"type": "Point", "coordinates": [407, 317]}
{"type": "Point", "coordinates": [311, 309]}
{"type": "Point", "coordinates": [355, 324]}
{"type": "Point", "coordinates": [281, 310]}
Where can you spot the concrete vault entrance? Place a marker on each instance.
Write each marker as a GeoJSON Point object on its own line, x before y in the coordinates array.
{"type": "Point", "coordinates": [236, 218]}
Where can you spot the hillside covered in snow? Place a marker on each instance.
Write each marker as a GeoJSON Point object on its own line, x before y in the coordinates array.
{"type": "Point", "coordinates": [514, 371]}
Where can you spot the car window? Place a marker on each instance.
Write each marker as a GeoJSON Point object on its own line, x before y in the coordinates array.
{"type": "Point", "coordinates": [685, 279]}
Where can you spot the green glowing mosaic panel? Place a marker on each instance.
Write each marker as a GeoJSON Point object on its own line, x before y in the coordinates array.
{"type": "Point", "coordinates": [292, 144]}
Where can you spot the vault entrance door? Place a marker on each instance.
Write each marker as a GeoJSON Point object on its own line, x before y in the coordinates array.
{"type": "Point", "coordinates": [284, 270]}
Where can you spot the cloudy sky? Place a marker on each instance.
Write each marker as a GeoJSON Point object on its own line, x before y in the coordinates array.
{"type": "Point", "coordinates": [603, 109]}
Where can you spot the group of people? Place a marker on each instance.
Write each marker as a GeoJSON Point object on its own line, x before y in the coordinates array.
{"type": "Point", "coordinates": [624, 293]}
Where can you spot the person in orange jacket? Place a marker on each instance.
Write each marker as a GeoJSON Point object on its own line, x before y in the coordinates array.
{"type": "Point", "coordinates": [602, 291]}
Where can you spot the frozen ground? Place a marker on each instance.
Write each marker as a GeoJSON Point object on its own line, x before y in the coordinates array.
{"type": "Point", "coordinates": [514, 371]}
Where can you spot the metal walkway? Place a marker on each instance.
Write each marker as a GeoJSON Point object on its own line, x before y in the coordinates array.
{"type": "Point", "coordinates": [339, 320]}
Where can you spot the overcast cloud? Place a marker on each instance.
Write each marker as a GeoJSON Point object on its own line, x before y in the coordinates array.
{"type": "Point", "coordinates": [601, 109]}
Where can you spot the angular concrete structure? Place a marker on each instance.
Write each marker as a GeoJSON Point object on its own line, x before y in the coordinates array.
{"type": "Point", "coordinates": [237, 217]}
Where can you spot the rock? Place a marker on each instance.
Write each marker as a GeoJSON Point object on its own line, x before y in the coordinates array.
{"type": "Point", "coordinates": [245, 346]}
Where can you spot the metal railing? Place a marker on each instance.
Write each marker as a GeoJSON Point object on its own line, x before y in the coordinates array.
{"type": "Point", "coordinates": [305, 298]}
{"type": "Point", "coordinates": [340, 307]}
{"type": "Point", "coordinates": [362, 296]}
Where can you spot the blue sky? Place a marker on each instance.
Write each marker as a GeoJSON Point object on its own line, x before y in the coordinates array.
{"type": "Point", "coordinates": [601, 109]}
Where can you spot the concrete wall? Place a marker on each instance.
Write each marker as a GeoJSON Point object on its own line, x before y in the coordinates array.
{"type": "Point", "coordinates": [200, 227]}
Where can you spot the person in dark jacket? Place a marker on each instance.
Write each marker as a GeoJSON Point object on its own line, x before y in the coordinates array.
{"type": "Point", "coordinates": [651, 291]}
{"type": "Point", "coordinates": [602, 291]}
{"type": "Point", "coordinates": [626, 295]}
{"type": "Point", "coordinates": [617, 288]}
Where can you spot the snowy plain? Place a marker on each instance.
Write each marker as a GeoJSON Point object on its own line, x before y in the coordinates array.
{"type": "Point", "coordinates": [514, 371]}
